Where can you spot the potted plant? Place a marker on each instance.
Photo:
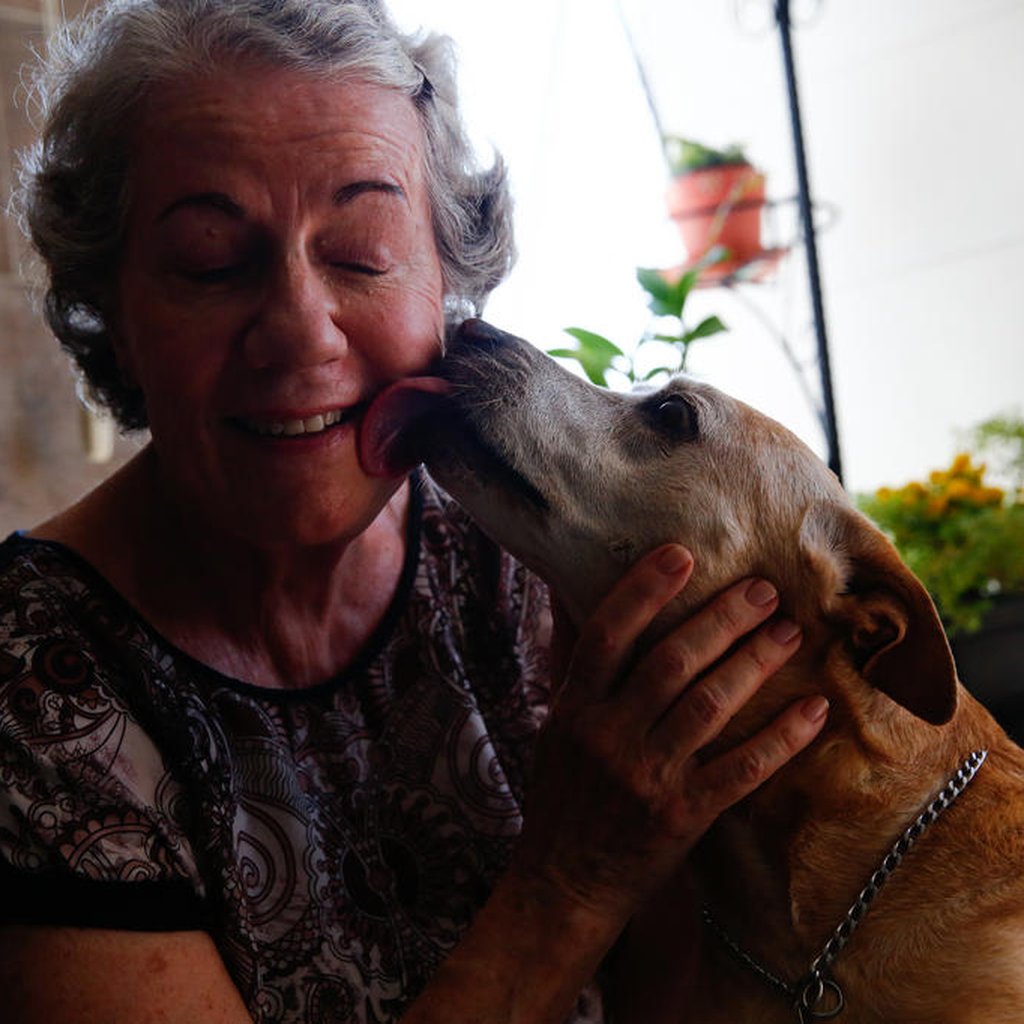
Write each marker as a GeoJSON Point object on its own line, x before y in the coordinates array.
{"type": "Point", "coordinates": [670, 333]}
{"type": "Point", "coordinates": [715, 196]}
{"type": "Point", "coordinates": [964, 539]}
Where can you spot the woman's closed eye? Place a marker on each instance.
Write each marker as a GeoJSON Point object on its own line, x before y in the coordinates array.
{"type": "Point", "coordinates": [350, 253]}
{"type": "Point", "coordinates": [243, 269]}
{"type": "Point", "coordinates": [358, 267]}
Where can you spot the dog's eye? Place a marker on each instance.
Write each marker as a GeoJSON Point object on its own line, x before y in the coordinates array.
{"type": "Point", "coordinates": [674, 417]}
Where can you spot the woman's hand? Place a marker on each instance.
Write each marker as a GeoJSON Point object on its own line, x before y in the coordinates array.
{"type": "Point", "coordinates": [621, 791]}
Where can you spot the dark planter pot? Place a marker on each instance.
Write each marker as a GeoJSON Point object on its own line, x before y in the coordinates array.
{"type": "Point", "coordinates": [990, 663]}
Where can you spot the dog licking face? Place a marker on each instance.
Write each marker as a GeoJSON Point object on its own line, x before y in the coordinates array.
{"type": "Point", "coordinates": [578, 482]}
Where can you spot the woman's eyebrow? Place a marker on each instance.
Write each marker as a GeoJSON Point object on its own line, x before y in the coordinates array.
{"type": "Point", "coordinates": [215, 200]}
{"type": "Point", "coordinates": [347, 193]}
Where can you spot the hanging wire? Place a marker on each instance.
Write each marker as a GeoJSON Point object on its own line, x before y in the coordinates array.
{"type": "Point", "coordinates": [753, 17]}
{"type": "Point", "coordinates": [645, 83]}
{"type": "Point", "coordinates": [757, 17]}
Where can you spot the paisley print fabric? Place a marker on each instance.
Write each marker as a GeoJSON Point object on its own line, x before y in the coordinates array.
{"type": "Point", "coordinates": [336, 840]}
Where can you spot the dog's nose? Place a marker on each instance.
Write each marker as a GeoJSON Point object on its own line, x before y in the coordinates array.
{"type": "Point", "coordinates": [480, 334]}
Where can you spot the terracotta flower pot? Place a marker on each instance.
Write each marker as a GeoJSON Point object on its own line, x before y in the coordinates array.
{"type": "Point", "coordinates": [719, 206]}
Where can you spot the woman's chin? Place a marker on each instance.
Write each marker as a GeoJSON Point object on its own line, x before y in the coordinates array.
{"type": "Point", "coordinates": [322, 497]}
{"type": "Point", "coordinates": [332, 516]}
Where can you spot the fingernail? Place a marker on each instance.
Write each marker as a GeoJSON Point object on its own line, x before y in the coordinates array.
{"type": "Point", "coordinates": [673, 560]}
{"type": "Point", "coordinates": [814, 709]}
{"type": "Point", "coordinates": [761, 592]}
{"type": "Point", "coordinates": [783, 631]}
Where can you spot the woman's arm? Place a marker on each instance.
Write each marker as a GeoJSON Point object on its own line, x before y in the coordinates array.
{"type": "Point", "coordinates": [57, 975]}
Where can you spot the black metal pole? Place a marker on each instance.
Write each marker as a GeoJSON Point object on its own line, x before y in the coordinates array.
{"type": "Point", "coordinates": [810, 240]}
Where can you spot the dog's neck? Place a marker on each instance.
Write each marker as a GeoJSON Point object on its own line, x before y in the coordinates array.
{"type": "Point", "coordinates": [802, 847]}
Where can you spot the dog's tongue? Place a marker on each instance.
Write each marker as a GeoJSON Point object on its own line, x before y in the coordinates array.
{"type": "Point", "coordinates": [391, 436]}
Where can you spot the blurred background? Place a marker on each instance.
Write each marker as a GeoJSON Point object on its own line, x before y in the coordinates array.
{"type": "Point", "coordinates": [913, 114]}
{"type": "Point", "coordinates": [914, 118]}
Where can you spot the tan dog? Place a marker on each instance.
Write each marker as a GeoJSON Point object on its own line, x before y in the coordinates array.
{"type": "Point", "coordinates": [578, 482]}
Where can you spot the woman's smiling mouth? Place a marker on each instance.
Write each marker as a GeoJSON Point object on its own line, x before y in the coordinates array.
{"type": "Point", "coordinates": [298, 426]}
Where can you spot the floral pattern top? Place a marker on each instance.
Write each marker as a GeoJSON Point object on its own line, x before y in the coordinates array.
{"type": "Point", "coordinates": [335, 840]}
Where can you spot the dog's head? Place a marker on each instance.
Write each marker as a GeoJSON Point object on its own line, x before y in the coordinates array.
{"type": "Point", "coordinates": [578, 482]}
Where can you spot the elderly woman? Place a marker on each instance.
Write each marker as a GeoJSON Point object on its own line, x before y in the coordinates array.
{"type": "Point", "coordinates": [267, 721]}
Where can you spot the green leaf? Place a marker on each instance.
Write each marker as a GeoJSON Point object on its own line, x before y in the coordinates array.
{"type": "Point", "coordinates": [594, 353]}
{"type": "Point", "coordinates": [596, 374]}
{"type": "Point", "coordinates": [594, 371]}
{"type": "Point", "coordinates": [594, 343]}
{"type": "Point", "coordinates": [711, 325]}
{"type": "Point", "coordinates": [661, 294]}
{"type": "Point", "coordinates": [684, 286]}
{"type": "Point", "coordinates": [666, 298]}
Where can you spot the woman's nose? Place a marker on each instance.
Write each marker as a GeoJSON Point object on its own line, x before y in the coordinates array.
{"type": "Point", "coordinates": [297, 323]}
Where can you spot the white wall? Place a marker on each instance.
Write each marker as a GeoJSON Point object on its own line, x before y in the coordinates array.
{"type": "Point", "coordinates": [914, 115]}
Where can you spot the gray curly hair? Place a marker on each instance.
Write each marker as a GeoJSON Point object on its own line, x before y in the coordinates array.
{"type": "Point", "coordinates": [88, 92]}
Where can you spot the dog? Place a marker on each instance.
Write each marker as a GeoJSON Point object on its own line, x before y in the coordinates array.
{"type": "Point", "coordinates": [578, 482]}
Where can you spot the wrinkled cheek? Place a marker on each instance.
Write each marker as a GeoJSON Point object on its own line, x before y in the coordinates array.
{"type": "Point", "coordinates": [414, 325]}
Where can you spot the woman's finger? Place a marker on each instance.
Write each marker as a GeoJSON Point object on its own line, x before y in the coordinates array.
{"type": "Point", "coordinates": [672, 665]}
{"type": "Point", "coordinates": [606, 639]}
{"type": "Point", "coordinates": [729, 777]}
{"type": "Point", "coordinates": [707, 706]}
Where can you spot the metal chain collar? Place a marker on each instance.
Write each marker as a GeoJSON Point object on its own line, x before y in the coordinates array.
{"type": "Point", "coordinates": [816, 996]}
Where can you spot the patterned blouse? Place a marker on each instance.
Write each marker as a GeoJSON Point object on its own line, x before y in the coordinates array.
{"type": "Point", "coordinates": [336, 840]}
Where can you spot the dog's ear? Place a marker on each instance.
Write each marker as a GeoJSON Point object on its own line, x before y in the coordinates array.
{"type": "Point", "coordinates": [894, 636]}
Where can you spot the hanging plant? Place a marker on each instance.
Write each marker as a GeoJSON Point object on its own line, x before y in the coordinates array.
{"type": "Point", "coordinates": [601, 359]}
{"type": "Point", "coordinates": [715, 197]}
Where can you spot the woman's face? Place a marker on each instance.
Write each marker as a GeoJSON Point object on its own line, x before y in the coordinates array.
{"type": "Point", "coordinates": [279, 269]}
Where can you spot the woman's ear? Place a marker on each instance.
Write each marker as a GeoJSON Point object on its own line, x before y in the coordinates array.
{"type": "Point", "coordinates": [892, 631]}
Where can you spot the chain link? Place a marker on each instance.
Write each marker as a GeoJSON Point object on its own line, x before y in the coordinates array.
{"type": "Point", "coordinates": [816, 996]}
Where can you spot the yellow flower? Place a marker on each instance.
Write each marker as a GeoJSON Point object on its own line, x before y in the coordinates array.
{"type": "Point", "coordinates": [960, 490]}
{"type": "Point", "coordinates": [961, 464]}
{"type": "Point", "coordinates": [937, 506]}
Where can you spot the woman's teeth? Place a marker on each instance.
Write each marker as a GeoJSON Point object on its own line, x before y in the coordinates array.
{"type": "Point", "coordinates": [295, 428]}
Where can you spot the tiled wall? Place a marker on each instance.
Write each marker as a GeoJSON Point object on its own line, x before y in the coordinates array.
{"type": "Point", "coordinates": [43, 465]}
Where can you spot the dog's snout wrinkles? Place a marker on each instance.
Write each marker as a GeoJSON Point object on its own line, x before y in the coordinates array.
{"type": "Point", "coordinates": [487, 365]}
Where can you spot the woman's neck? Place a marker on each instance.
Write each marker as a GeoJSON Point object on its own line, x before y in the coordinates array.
{"type": "Point", "coordinates": [281, 616]}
